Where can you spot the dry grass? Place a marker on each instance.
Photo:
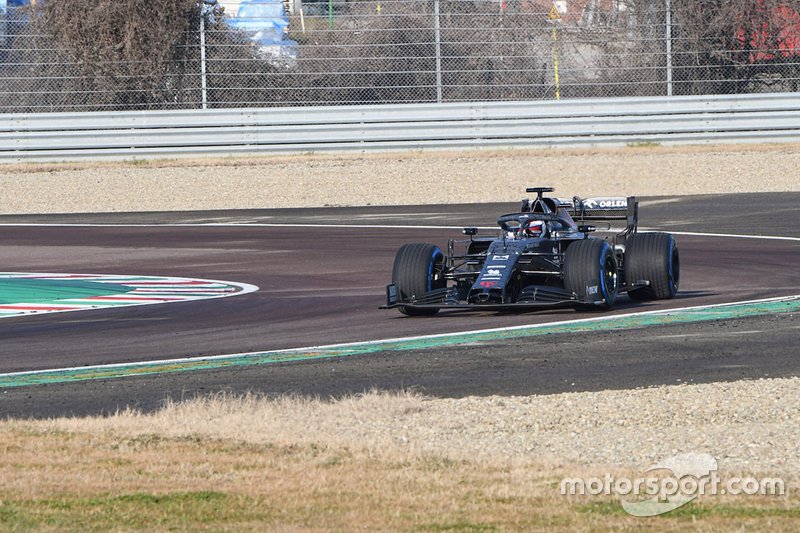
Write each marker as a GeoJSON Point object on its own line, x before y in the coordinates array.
{"type": "Point", "coordinates": [289, 464]}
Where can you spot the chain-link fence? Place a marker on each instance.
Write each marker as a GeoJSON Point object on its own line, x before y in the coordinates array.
{"type": "Point", "coordinates": [342, 52]}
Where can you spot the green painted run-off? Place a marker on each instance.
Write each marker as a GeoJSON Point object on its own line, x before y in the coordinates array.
{"type": "Point", "coordinates": [659, 318]}
{"type": "Point", "coordinates": [50, 291]}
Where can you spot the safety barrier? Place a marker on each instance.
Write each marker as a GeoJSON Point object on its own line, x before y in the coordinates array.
{"type": "Point", "coordinates": [771, 117]}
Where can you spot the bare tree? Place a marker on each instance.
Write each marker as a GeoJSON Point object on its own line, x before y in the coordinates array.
{"type": "Point", "coordinates": [726, 45]}
{"type": "Point", "coordinates": [106, 54]}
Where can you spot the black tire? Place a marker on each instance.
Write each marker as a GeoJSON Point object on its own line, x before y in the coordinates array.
{"type": "Point", "coordinates": [415, 272]}
{"type": "Point", "coordinates": [653, 257]}
{"type": "Point", "coordinates": [590, 271]}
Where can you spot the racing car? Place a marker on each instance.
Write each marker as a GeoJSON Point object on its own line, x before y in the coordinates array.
{"type": "Point", "coordinates": [545, 256]}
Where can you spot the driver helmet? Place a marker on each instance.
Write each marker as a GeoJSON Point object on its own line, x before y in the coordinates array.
{"type": "Point", "coordinates": [534, 229]}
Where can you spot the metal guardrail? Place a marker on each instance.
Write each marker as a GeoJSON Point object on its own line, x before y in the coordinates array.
{"type": "Point", "coordinates": [584, 122]}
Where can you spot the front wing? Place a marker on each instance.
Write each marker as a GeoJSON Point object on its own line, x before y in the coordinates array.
{"type": "Point", "coordinates": [531, 298]}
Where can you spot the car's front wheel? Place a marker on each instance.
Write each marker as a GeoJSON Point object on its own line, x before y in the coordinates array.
{"type": "Point", "coordinates": [417, 270]}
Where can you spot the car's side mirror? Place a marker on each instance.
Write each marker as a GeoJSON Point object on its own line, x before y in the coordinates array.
{"type": "Point", "coordinates": [469, 231]}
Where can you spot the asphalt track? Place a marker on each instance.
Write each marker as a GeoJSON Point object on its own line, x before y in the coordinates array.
{"type": "Point", "coordinates": [322, 283]}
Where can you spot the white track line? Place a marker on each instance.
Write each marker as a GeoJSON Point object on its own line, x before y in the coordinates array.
{"type": "Point", "coordinates": [355, 226]}
{"type": "Point", "coordinates": [401, 339]}
{"type": "Point", "coordinates": [235, 225]}
{"type": "Point", "coordinates": [733, 235]}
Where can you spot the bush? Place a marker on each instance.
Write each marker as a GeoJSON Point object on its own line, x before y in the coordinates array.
{"type": "Point", "coordinates": [106, 54]}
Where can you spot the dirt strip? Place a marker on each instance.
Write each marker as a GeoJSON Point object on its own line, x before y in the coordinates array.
{"type": "Point", "coordinates": [392, 179]}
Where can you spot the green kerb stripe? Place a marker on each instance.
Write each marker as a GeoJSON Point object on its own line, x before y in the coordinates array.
{"type": "Point", "coordinates": [610, 323]}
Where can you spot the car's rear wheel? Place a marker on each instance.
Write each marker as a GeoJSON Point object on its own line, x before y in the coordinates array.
{"type": "Point", "coordinates": [652, 257]}
{"type": "Point", "coordinates": [590, 272]}
{"type": "Point", "coordinates": [417, 270]}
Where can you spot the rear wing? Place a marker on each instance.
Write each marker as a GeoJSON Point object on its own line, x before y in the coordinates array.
{"type": "Point", "coordinates": [611, 208]}
{"type": "Point", "coordinates": [604, 209]}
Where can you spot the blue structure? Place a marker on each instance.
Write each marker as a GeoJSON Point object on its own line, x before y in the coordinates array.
{"type": "Point", "coordinates": [265, 21]}
{"type": "Point", "coordinates": [3, 30]}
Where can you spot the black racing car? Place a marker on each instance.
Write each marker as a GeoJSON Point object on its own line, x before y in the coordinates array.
{"type": "Point", "coordinates": [544, 256]}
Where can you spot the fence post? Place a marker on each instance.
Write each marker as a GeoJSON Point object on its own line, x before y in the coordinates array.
{"type": "Point", "coordinates": [203, 85]}
{"type": "Point", "coordinates": [438, 40]}
{"type": "Point", "coordinates": [669, 47]}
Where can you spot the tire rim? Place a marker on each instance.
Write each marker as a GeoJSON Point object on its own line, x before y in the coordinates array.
{"type": "Point", "coordinates": [609, 277]}
{"type": "Point", "coordinates": [435, 282]}
{"type": "Point", "coordinates": [674, 270]}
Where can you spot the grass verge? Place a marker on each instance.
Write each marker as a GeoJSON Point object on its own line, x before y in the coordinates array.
{"type": "Point", "coordinates": [183, 469]}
